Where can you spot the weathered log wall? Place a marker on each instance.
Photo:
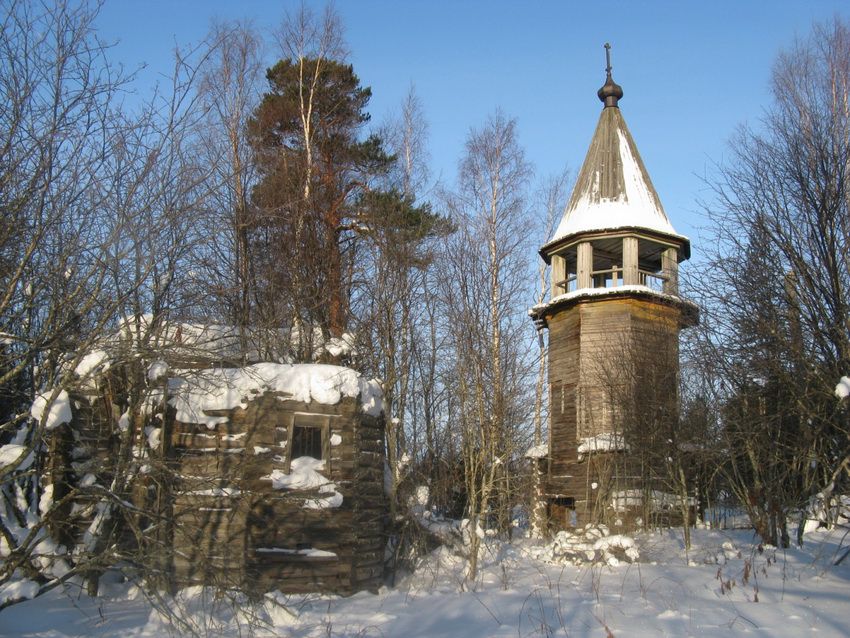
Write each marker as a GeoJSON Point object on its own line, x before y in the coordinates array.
{"type": "Point", "coordinates": [208, 505]}
{"type": "Point", "coordinates": [231, 524]}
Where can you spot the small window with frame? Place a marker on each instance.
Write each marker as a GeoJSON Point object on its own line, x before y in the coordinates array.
{"type": "Point", "coordinates": [309, 435]}
{"type": "Point", "coordinates": [307, 441]}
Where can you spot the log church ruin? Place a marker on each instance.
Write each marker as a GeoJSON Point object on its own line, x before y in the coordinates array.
{"type": "Point", "coordinates": [259, 477]}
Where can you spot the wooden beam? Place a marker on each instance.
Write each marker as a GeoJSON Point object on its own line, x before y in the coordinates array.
{"type": "Point", "coordinates": [630, 261]}
{"type": "Point", "coordinates": [559, 274]}
{"type": "Point", "coordinates": [670, 268]}
{"type": "Point", "coordinates": [585, 264]}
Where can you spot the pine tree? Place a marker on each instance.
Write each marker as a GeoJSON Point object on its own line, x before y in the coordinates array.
{"type": "Point", "coordinates": [314, 166]}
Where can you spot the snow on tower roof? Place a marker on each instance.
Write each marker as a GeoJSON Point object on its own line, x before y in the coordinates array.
{"type": "Point", "coordinates": [613, 189]}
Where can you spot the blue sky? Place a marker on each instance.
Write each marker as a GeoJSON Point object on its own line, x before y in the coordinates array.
{"type": "Point", "coordinates": [691, 71]}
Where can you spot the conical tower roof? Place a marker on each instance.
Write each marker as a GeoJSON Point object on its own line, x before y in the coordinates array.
{"type": "Point", "coordinates": [613, 190]}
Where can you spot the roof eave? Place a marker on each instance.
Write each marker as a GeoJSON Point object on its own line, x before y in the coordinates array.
{"type": "Point", "coordinates": [551, 247]}
{"type": "Point", "coordinates": [689, 310]}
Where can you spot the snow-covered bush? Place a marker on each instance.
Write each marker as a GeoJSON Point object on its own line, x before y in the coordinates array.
{"type": "Point", "coordinates": [593, 544]}
{"type": "Point", "coordinates": [826, 509]}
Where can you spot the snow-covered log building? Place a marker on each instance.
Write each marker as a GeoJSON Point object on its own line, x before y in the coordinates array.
{"type": "Point", "coordinates": [280, 478]}
{"type": "Point", "coordinates": [613, 320]}
{"type": "Point", "coordinates": [264, 476]}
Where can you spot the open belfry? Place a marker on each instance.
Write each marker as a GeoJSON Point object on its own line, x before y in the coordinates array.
{"type": "Point", "coordinates": [613, 319]}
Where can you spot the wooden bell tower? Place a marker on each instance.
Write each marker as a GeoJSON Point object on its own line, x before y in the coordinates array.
{"type": "Point", "coordinates": [613, 320]}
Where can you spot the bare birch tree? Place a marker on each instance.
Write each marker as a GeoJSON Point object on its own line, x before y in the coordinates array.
{"type": "Point", "coordinates": [304, 37]}
{"type": "Point", "coordinates": [486, 270]}
{"type": "Point", "coordinates": [394, 278]}
{"type": "Point", "coordinates": [230, 91]}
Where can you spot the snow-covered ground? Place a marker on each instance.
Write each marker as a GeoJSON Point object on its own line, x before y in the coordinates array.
{"type": "Point", "coordinates": [723, 586]}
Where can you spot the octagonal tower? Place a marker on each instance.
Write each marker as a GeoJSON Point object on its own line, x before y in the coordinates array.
{"type": "Point", "coordinates": [613, 319]}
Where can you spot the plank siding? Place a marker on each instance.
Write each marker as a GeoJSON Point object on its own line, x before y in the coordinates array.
{"type": "Point", "coordinates": [599, 349]}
